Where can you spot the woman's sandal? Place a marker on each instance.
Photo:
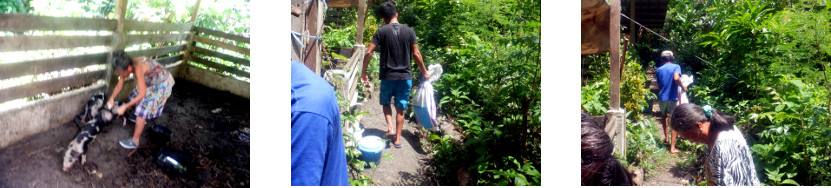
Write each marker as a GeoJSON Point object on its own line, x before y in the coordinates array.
{"type": "Point", "coordinates": [398, 146]}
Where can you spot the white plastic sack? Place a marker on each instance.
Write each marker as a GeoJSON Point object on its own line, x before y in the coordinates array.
{"type": "Point", "coordinates": [424, 103]}
{"type": "Point", "coordinates": [686, 80]}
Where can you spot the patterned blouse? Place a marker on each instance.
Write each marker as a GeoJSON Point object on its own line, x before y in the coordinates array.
{"type": "Point", "coordinates": [157, 73]}
{"type": "Point", "coordinates": [729, 162]}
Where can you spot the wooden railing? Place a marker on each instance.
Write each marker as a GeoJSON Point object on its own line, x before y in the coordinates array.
{"type": "Point", "coordinates": [22, 23]}
{"type": "Point", "coordinates": [218, 51]}
{"type": "Point", "coordinates": [169, 39]}
{"type": "Point", "coordinates": [232, 60]}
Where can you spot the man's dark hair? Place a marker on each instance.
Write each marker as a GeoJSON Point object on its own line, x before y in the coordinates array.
{"type": "Point", "coordinates": [386, 10]}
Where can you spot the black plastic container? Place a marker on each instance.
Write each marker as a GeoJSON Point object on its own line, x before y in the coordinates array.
{"type": "Point", "coordinates": [174, 162]}
{"type": "Point", "coordinates": [160, 135]}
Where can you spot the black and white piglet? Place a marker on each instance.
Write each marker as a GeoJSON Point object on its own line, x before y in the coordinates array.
{"type": "Point", "coordinates": [94, 105]}
{"type": "Point", "coordinates": [78, 146]}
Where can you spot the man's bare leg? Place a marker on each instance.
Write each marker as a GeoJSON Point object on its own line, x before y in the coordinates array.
{"type": "Point", "coordinates": [666, 127]}
{"type": "Point", "coordinates": [388, 115]}
{"type": "Point", "coordinates": [399, 118]}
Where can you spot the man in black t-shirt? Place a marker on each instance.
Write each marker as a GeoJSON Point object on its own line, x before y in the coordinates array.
{"type": "Point", "coordinates": [397, 42]}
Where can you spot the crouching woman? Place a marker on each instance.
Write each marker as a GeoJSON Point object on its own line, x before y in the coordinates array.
{"type": "Point", "coordinates": [729, 162]}
{"type": "Point", "coordinates": [153, 86]}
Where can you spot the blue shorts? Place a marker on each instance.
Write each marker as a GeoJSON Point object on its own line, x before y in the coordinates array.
{"type": "Point", "coordinates": [398, 88]}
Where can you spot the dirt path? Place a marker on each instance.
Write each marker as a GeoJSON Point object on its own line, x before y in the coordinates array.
{"type": "Point", "coordinates": [668, 169]}
{"type": "Point", "coordinates": [410, 162]}
{"type": "Point", "coordinates": [215, 141]}
{"type": "Point", "coordinates": [407, 167]}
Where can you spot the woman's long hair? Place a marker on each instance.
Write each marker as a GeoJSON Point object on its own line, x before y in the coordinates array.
{"type": "Point", "coordinates": [598, 166]}
{"type": "Point", "coordinates": [686, 115]}
{"type": "Point", "coordinates": [121, 60]}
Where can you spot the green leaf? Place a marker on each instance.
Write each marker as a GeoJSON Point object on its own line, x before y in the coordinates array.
{"type": "Point", "coordinates": [790, 182]}
{"type": "Point", "coordinates": [434, 137]}
{"type": "Point", "coordinates": [520, 180]}
{"type": "Point", "coordinates": [797, 83]}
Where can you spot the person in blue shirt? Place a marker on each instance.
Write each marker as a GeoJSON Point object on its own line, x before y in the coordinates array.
{"type": "Point", "coordinates": [317, 152]}
{"type": "Point", "coordinates": [669, 78]}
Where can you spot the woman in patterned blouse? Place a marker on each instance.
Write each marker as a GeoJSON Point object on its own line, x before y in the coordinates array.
{"type": "Point", "coordinates": [154, 85]}
{"type": "Point", "coordinates": [729, 162]}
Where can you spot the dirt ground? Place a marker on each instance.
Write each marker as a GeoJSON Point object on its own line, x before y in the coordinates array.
{"type": "Point", "coordinates": [409, 164]}
{"type": "Point", "coordinates": [668, 168]}
{"type": "Point", "coordinates": [210, 125]}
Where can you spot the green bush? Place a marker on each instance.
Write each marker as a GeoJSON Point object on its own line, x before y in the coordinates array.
{"type": "Point", "coordinates": [490, 52]}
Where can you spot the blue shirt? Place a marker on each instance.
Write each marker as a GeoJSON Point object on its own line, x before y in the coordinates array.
{"type": "Point", "coordinates": [665, 78]}
{"type": "Point", "coordinates": [317, 152]}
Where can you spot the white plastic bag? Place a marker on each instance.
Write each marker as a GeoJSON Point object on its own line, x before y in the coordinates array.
{"type": "Point", "coordinates": [686, 80]}
{"type": "Point", "coordinates": [424, 104]}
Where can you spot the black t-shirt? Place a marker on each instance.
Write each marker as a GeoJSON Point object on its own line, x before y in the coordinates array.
{"type": "Point", "coordinates": [395, 42]}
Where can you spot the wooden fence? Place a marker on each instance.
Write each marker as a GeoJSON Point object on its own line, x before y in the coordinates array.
{"type": "Point", "coordinates": [169, 44]}
{"type": "Point", "coordinates": [204, 52]}
{"type": "Point", "coordinates": [22, 23]}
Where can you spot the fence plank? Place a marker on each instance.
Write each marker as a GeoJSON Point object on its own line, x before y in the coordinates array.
{"type": "Point", "coordinates": [51, 85]}
{"type": "Point", "coordinates": [134, 25]}
{"type": "Point", "coordinates": [156, 51]}
{"type": "Point", "coordinates": [217, 43]}
{"type": "Point", "coordinates": [23, 43]}
{"type": "Point", "coordinates": [222, 34]}
{"type": "Point", "coordinates": [223, 56]}
{"type": "Point", "coordinates": [23, 22]}
{"type": "Point", "coordinates": [221, 67]}
{"type": "Point", "coordinates": [169, 60]}
{"type": "Point", "coordinates": [154, 38]}
{"type": "Point", "coordinates": [13, 70]}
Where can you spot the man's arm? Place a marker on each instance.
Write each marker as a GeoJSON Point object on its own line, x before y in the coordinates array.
{"type": "Point", "coordinates": [367, 58]}
{"type": "Point", "coordinates": [420, 61]}
{"type": "Point", "coordinates": [677, 79]}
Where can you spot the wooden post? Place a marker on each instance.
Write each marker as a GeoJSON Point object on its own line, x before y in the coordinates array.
{"type": "Point", "coordinates": [189, 48]}
{"type": "Point", "coordinates": [616, 122]}
{"type": "Point", "coordinates": [614, 55]}
{"type": "Point", "coordinates": [314, 27]}
{"type": "Point", "coordinates": [195, 10]}
{"type": "Point", "coordinates": [361, 21]}
{"type": "Point", "coordinates": [118, 41]}
{"type": "Point", "coordinates": [297, 24]}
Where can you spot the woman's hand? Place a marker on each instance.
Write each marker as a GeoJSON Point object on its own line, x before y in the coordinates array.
{"type": "Point", "coordinates": [110, 103]}
{"type": "Point", "coordinates": [121, 110]}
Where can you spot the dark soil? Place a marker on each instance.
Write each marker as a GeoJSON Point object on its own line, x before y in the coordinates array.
{"type": "Point", "coordinates": [218, 143]}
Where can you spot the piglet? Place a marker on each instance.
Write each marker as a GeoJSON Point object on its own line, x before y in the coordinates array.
{"type": "Point", "coordinates": [78, 147]}
{"type": "Point", "coordinates": [94, 104]}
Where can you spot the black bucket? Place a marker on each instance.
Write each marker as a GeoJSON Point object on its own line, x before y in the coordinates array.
{"type": "Point", "coordinates": [160, 135]}
{"type": "Point", "coordinates": [174, 162]}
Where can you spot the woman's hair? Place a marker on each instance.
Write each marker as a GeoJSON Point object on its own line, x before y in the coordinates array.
{"type": "Point", "coordinates": [598, 166]}
{"type": "Point", "coordinates": [599, 122]}
{"type": "Point", "coordinates": [686, 115]}
{"type": "Point", "coordinates": [121, 60]}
